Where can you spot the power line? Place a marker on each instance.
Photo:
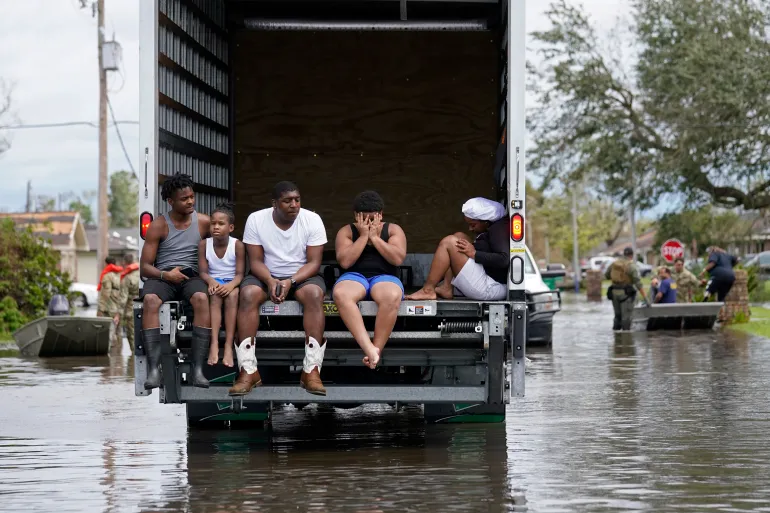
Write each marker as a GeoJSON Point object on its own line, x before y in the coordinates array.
{"type": "Point", "coordinates": [65, 124]}
{"type": "Point", "coordinates": [120, 137]}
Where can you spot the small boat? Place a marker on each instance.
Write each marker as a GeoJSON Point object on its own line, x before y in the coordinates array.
{"type": "Point", "coordinates": [59, 335]}
{"type": "Point", "coordinates": [677, 316]}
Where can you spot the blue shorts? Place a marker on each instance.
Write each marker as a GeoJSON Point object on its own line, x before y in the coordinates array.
{"type": "Point", "coordinates": [368, 283]}
{"type": "Point", "coordinates": [222, 281]}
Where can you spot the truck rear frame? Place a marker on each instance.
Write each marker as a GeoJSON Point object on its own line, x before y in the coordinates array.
{"type": "Point", "coordinates": [451, 356]}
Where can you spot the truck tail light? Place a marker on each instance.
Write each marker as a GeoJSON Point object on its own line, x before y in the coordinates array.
{"type": "Point", "coordinates": [517, 227]}
{"type": "Point", "coordinates": [144, 224]}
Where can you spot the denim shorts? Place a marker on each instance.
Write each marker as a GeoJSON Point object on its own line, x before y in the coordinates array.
{"type": "Point", "coordinates": [368, 283]}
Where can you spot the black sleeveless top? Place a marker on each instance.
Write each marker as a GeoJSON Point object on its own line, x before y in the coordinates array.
{"type": "Point", "coordinates": [371, 263]}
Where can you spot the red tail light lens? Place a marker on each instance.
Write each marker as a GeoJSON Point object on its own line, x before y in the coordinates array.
{"type": "Point", "coordinates": [144, 224]}
{"type": "Point", "coordinates": [517, 227]}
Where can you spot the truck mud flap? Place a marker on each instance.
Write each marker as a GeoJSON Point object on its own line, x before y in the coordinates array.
{"type": "Point", "coordinates": [213, 414]}
{"type": "Point", "coordinates": [461, 413]}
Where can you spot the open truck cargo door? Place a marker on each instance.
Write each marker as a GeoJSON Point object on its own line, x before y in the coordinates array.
{"type": "Point", "coordinates": [185, 100]}
{"type": "Point", "coordinates": [241, 94]}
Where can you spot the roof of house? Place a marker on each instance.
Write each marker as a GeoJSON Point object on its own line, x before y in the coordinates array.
{"type": "Point", "coordinates": [643, 243]}
{"type": "Point", "coordinates": [63, 230]}
{"type": "Point", "coordinates": [120, 239]}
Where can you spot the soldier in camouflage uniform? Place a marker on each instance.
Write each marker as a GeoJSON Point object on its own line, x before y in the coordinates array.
{"type": "Point", "coordinates": [686, 282]}
{"type": "Point", "coordinates": [129, 289]}
{"type": "Point", "coordinates": [625, 282]}
{"type": "Point", "coordinates": [109, 289]}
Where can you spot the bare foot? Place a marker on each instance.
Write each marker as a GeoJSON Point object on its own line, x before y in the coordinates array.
{"type": "Point", "coordinates": [213, 353]}
{"type": "Point", "coordinates": [445, 292]}
{"type": "Point", "coordinates": [421, 294]}
{"type": "Point", "coordinates": [227, 359]}
{"type": "Point", "coordinates": [372, 359]}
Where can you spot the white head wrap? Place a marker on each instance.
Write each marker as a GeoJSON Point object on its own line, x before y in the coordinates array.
{"type": "Point", "coordinates": [483, 209]}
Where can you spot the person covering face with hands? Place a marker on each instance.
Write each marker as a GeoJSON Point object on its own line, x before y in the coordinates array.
{"type": "Point", "coordinates": [370, 252]}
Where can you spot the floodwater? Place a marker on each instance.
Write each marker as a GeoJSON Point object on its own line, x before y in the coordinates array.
{"type": "Point", "coordinates": [610, 422]}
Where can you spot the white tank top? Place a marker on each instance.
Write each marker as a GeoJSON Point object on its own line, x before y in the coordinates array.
{"type": "Point", "coordinates": [223, 268]}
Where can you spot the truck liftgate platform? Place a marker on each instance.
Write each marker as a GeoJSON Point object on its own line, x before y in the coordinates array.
{"type": "Point", "coordinates": [450, 356]}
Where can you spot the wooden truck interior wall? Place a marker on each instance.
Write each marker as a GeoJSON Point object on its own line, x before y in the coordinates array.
{"type": "Point", "coordinates": [412, 115]}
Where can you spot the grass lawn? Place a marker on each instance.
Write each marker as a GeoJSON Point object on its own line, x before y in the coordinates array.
{"type": "Point", "coordinates": [758, 325]}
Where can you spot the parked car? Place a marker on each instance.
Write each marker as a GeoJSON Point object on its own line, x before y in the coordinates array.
{"type": "Point", "coordinates": [542, 302]}
{"type": "Point", "coordinates": [644, 269]}
{"type": "Point", "coordinates": [760, 260]}
{"type": "Point", "coordinates": [85, 295]}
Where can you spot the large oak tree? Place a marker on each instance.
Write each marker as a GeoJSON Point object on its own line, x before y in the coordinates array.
{"type": "Point", "coordinates": [686, 109]}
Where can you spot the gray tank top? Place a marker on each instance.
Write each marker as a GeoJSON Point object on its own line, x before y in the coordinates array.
{"type": "Point", "coordinates": [179, 248]}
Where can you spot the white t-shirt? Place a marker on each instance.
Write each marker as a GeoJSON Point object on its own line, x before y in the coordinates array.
{"type": "Point", "coordinates": [285, 251]}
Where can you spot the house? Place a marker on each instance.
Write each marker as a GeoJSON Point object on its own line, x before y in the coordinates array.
{"type": "Point", "coordinates": [759, 238]}
{"type": "Point", "coordinates": [63, 231]}
{"type": "Point", "coordinates": [644, 247]}
{"type": "Point", "coordinates": [121, 241]}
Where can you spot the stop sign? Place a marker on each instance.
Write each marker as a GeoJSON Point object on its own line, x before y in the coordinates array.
{"type": "Point", "coordinates": [671, 250]}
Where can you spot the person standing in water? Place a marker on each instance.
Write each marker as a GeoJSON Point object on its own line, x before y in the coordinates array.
{"type": "Point", "coordinates": [129, 290]}
{"type": "Point", "coordinates": [222, 263]}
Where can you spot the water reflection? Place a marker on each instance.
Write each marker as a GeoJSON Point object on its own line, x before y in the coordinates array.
{"type": "Point", "coordinates": [611, 422]}
{"type": "Point", "coordinates": [375, 461]}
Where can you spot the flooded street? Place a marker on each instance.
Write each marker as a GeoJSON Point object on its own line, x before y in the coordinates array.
{"type": "Point", "coordinates": [610, 422]}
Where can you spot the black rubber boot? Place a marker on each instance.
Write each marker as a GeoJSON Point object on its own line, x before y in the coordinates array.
{"type": "Point", "coordinates": [152, 349]}
{"type": "Point", "coordinates": [200, 351]}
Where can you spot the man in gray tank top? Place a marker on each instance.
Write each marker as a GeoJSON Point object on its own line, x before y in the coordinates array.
{"type": "Point", "coordinates": [169, 264]}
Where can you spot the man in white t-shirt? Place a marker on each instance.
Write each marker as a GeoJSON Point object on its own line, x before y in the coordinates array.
{"type": "Point", "coordinates": [284, 244]}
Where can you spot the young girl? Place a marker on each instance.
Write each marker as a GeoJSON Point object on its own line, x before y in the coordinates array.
{"type": "Point", "coordinates": [222, 262]}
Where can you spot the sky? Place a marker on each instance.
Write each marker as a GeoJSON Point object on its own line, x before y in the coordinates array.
{"type": "Point", "coordinates": [48, 51]}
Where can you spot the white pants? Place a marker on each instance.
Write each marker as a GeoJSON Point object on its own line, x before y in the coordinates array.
{"type": "Point", "coordinates": [475, 284]}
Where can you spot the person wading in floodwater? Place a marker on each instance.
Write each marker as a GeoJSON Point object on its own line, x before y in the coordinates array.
{"type": "Point", "coordinates": [169, 263]}
{"type": "Point", "coordinates": [625, 282]}
{"type": "Point", "coordinates": [720, 268]}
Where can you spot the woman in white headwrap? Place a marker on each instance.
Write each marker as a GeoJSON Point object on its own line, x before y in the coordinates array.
{"type": "Point", "coordinates": [480, 268]}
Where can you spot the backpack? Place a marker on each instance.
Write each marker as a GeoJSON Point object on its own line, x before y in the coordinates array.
{"type": "Point", "coordinates": [619, 272]}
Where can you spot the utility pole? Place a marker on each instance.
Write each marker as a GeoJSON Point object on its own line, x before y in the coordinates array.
{"type": "Point", "coordinates": [575, 254]}
{"type": "Point", "coordinates": [29, 196]}
{"type": "Point", "coordinates": [632, 215]}
{"type": "Point", "coordinates": [103, 246]}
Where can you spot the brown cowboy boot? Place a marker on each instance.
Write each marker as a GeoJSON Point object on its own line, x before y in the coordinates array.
{"type": "Point", "coordinates": [311, 367]}
{"type": "Point", "coordinates": [248, 377]}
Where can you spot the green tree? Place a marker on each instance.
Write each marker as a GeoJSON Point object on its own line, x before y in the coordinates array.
{"type": "Point", "coordinates": [688, 115]}
{"type": "Point", "coordinates": [598, 222]}
{"type": "Point", "coordinates": [124, 200]}
{"type": "Point", "coordinates": [46, 203]}
{"type": "Point", "coordinates": [29, 271]}
{"type": "Point", "coordinates": [707, 226]}
{"type": "Point", "coordinates": [86, 214]}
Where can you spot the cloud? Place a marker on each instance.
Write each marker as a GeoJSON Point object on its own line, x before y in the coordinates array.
{"type": "Point", "coordinates": [48, 49]}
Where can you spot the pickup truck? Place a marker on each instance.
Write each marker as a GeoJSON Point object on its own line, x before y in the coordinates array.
{"type": "Point", "coordinates": [411, 98]}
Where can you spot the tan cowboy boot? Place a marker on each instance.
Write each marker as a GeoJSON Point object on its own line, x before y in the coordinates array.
{"type": "Point", "coordinates": [248, 377]}
{"type": "Point", "coordinates": [311, 367]}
